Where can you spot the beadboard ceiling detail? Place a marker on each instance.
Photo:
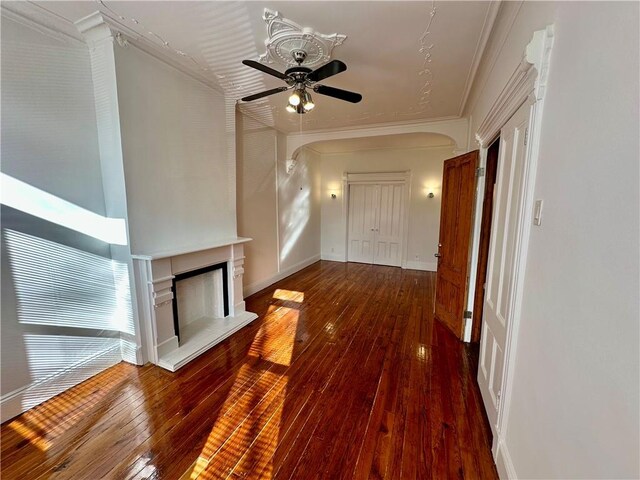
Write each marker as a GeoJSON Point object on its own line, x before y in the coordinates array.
{"type": "Point", "coordinates": [411, 60]}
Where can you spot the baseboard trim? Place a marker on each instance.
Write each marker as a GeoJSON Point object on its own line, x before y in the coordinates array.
{"type": "Point", "coordinates": [333, 257]}
{"type": "Point", "coordinates": [167, 346]}
{"type": "Point", "coordinates": [257, 286]}
{"type": "Point", "coordinates": [424, 266]}
{"type": "Point", "coordinates": [20, 400]}
{"type": "Point", "coordinates": [504, 465]}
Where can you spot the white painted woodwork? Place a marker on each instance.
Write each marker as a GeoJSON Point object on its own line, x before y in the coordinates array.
{"type": "Point", "coordinates": [376, 223]}
{"type": "Point", "coordinates": [501, 273]}
{"type": "Point", "coordinates": [362, 220]}
{"type": "Point", "coordinates": [387, 42]}
{"type": "Point", "coordinates": [573, 405]}
{"type": "Point", "coordinates": [389, 225]}
{"type": "Point", "coordinates": [154, 275]}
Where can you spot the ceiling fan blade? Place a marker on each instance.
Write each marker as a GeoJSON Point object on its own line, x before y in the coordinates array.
{"type": "Point", "coordinates": [327, 70]}
{"type": "Point", "coordinates": [338, 93]}
{"type": "Point", "coordinates": [266, 93]}
{"type": "Point", "coordinates": [265, 69]}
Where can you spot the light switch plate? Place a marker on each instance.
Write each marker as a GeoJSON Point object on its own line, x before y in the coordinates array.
{"type": "Point", "coordinates": [537, 213]}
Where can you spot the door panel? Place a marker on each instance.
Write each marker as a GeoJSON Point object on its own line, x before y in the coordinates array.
{"type": "Point", "coordinates": [389, 225]}
{"type": "Point", "coordinates": [362, 220]}
{"type": "Point", "coordinates": [458, 189]}
{"type": "Point", "coordinates": [498, 302]}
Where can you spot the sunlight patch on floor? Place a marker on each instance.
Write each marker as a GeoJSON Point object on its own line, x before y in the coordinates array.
{"type": "Point", "coordinates": [44, 423]}
{"type": "Point", "coordinates": [288, 295]}
{"type": "Point", "coordinates": [246, 432]}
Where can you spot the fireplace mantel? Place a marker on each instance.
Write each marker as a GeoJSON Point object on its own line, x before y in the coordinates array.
{"type": "Point", "coordinates": [155, 272]}
{"type": "Point", "coordinates": [193, 249]}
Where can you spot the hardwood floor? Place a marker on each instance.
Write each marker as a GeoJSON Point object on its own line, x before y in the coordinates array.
{"type": "Point", "coordinates": [344, 375]}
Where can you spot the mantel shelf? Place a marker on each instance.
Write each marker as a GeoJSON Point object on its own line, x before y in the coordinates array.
{"type": "Point", "coordinates": [225, 242]}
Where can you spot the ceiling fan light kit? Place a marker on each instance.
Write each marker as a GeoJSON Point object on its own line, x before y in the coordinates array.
{"type": "Point", "coordinates": [289, 43]}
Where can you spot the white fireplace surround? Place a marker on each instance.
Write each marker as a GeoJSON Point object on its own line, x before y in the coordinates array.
{"type": "Point", "coordinates": [155, 273]}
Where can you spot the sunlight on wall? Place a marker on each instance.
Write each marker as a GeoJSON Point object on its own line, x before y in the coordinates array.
{"type": "Point", "coordinates": [61, 286]}
{"type": "Point", "coordinates": [58, 362]}
{"type": "Point", "coordinates": [298, 212]}
{"type": "Point", "coordinates": [32, 200]}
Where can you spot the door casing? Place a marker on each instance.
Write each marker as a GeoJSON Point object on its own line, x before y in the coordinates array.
{"type": "Point", "coordinates": [527, 85]}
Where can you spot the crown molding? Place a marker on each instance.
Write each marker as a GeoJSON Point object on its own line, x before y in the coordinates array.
{"type": "Point", "coordinates": [527, 83]}
{"type": "Point", "coordinates": [42, 20]}
{"type": "Point", "coordinates": [100, 25]}
{"type": "Point", "coordinates": [490, 57]}
{"type": "Point", "coordinates": [487, 28]}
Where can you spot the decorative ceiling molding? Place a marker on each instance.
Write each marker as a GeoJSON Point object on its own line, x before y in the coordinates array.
{"type": "Point", "coordinates": [426, 73]}
{"type": "Point", "coordinates": [487, 28]}
{"type": "Point", "coordinates": [285, 36]}
{"type": "Point", "coordinates": [37, 18]}
{"type": "Point", "coordinates": [132, 32]}
{"type": "Point", "coordinates": [142, 32]}
{"type": "Point", "coordinates": [527, 83]}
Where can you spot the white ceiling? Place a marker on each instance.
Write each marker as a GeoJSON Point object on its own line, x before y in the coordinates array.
{"type": "Point", "coordinates": [382, 52]}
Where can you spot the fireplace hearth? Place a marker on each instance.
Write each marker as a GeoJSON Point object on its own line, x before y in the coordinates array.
{"type": "Point", "coordinates": [189, 300]}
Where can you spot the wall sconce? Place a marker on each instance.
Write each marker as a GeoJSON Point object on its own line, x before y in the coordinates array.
{"type": "Point", "coordinates": [430, 195]}
{"type": "Point", "coordinates": [334, 196]}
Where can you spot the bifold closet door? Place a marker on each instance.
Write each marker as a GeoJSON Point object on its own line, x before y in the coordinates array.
{"type": "Point", "coordinates": [388, 230]}
{"type": "Point", "coordinates": [363, 200]}
{"type": "Point", "coordinates": [376, 213]}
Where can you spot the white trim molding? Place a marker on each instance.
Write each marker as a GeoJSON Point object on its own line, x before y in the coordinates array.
{"type": "Point", "coordinates": [262, 284]}
{"type": "Point", "coordinates": [529, 79]}
{"type": "Point", "coordinates": [456, 129]}
{"type": "Point", "coordinates": [424, 266]}
{"type": "Point", "coordinates": [527, 85]}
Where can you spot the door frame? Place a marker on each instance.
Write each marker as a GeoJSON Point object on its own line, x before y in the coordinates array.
{"type": "Point", "coordinates": [527, 85]}
{"type": "Point", "coordinates": [377, 178]}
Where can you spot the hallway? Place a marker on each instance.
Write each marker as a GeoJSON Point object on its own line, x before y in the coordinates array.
{"type": "Point", "coordinates": [344, 375]}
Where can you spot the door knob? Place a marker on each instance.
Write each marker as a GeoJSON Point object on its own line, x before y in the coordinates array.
{"type": "Point", "coordinates": [436, 255]}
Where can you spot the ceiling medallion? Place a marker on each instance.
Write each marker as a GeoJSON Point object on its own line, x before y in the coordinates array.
{"type": "Point", "coordinates": [285, 37]}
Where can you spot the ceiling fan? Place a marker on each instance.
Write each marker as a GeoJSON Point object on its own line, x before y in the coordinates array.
{"type": "Point", "coordinates": [300, 78]}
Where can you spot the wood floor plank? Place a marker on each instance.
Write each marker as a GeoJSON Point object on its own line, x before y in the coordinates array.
{"type": "Point", "coordinates": [344, 375]}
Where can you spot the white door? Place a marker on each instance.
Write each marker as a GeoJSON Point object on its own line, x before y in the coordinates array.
{"type": "Point", "coordinates": [499, 300]}
{"type": "Point", "coordinates": [388, 230]}
{"type": "Point", "coordinates": [376, 213]}
{"type": "Point", "coordinates": [363, 202]}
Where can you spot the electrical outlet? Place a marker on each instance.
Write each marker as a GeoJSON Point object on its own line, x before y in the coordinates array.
{"type": "Point", "coordinates": [332, 249]}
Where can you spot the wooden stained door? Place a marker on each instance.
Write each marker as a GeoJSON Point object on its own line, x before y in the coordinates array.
{"type": "Point", "coordinates": [458, 188]}
{"type": "Point", "coordinates": [499, 304]}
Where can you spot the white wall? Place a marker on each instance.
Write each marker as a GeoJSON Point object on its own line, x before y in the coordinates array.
{"type": "Point", "coordinates": [279, 210]}
{"type": "Point", "coordinates": [50, 340]}
{"type": "Point", "coordinates": [257, 199]}
{"type": "Point", "coordinates": [574, 408]}
{"type": "Point", "coordinates": [176, 141]}
{"type": "Point", "coordinates": [425, 165]}
{"type": "Point", "coordinates": [299, 208]}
